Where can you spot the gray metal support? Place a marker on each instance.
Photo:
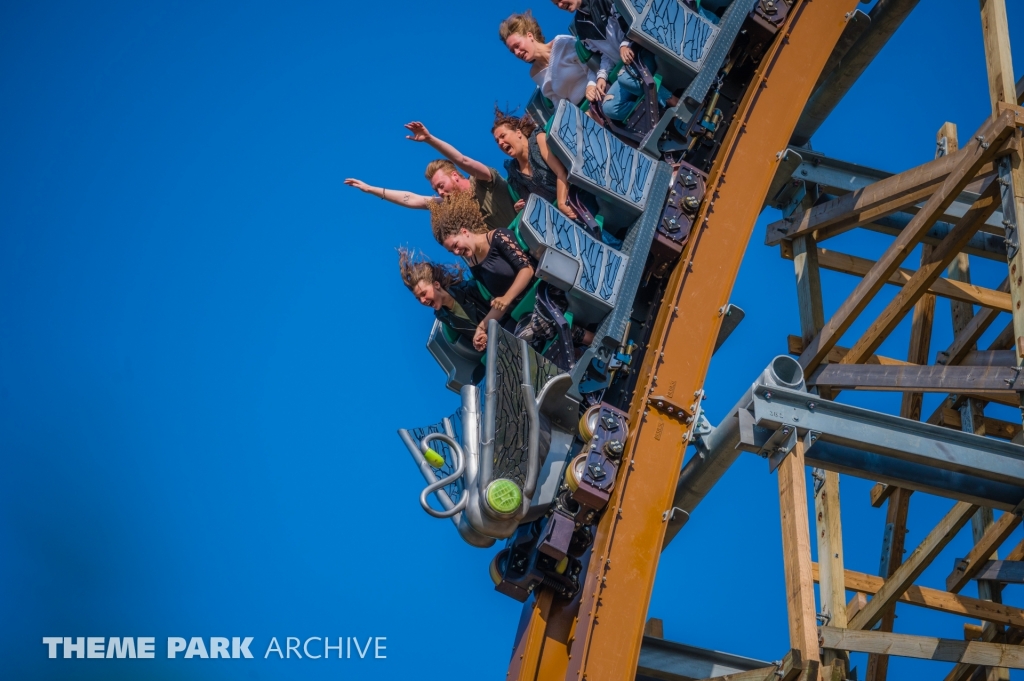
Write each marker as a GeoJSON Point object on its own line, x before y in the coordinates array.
{"type": "Point", "coordinates": [638, 241]}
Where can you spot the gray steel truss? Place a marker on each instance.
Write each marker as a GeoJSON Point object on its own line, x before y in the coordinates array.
{"type": "Point", "coordinates": [885, 448]}
{"type": "Point", "coordinates": [669, 661]}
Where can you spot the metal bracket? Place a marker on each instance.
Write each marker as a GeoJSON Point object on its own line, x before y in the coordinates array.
{"type": "Point", "coordinates": [779, 445]}
{"type": "Point", "coordinates": [670, 408]}
{"type": "Point", "coordinates": [883, 565]}
{"type": "Point", "coordinates": [818, 475]}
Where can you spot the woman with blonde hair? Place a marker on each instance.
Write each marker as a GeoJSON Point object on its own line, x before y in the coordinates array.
{"type": "Point", "coordinates": [554, 66]}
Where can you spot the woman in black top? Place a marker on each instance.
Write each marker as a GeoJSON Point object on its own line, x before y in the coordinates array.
{"type": "Point", "coordinates": [456, 302]}
{"type": "Point", "coordinates": [494, 256]}
{"type": "Point", "coordinates": [532, 168]}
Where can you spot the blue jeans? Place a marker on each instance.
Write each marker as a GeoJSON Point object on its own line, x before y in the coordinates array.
{"type": "Point", "coordinates": [625, 91]}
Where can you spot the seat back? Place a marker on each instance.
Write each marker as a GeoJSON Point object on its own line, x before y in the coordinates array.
{"type": "Point", "coordinates": [618, 176]}
{"type": "Point", "coordinates": [459, 360]}
{"type": "Point", "coordinates": [570, 258]}
{"type": "Point", "coordinates": [679, 37]}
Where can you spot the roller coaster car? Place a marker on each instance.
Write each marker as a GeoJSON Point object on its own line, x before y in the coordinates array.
{"type": "Point", "coordinates": [695, 48]}
{"type": "Point", "coordinates": [501, 455]}
{"type": "Point", "coordinates": [515, 463]}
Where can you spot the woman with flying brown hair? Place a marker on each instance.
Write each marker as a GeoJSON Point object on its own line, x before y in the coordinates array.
{"type": "Point", "coordinates": [499, 263]}
{"type": "Point", "coordinates": [456, 301]}
{"type": "Point", "coordinates": [532, 168]}
{"type": "Point", "coordinates": [494, 256]}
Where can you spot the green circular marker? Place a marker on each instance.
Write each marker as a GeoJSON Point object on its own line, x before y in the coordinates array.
{"type": "Point", "coordinates": [503, 496]}
{"type": "Point", "coordinates": [433, 458]}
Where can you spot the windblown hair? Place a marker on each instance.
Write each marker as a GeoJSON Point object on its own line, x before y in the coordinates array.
{"type": "Point", "coordinates": [440, 164]}
{"type": "Point", "coordinates": [524, 124]}
{"type": "Point", "coordinates": [458, 211]}
{"type": "Point", "coordinates": [520, 24]}
{"type": "Point", "coordinates": [416, 267]}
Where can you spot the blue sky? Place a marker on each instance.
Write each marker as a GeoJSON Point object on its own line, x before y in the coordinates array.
{"type": "Point", "coordinates": [206, 351]}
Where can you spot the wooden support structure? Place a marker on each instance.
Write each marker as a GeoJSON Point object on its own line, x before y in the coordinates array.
{"type": "Point", "coordinates": [968, 567]}
{"type": "Point", "coordinates": [796, 553]}
{"type": "Point", "coordinates": [970, 160]}
{"type": "Point", "coordinates": [914, 565]}
{"type": "Point", "coordinates": [971, 333]}
{"type": "Point", "coordinates": [935, 599]}
{"type": "Point", "coordinates": [924, 647]}
{"type": "Point", "coordinates": [829, 531]}
{"type": "Point", "coordinates": [945, 288]}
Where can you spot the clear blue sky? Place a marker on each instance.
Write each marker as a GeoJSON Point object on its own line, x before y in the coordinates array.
{"type": "Point", "coordinates": [206, 352]}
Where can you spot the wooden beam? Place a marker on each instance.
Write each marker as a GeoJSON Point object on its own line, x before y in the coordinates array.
{"type": "Point", "coordinates": [829, 531]}
{"type": "Point", "coordinates": [892, 558]}
{"type": "Point", "coordinates": [942, 287]}
{"type": "Point", "coordinates": [970, 159]}
{"type": "Point", "coordinates": [914, 565]}
{"type": "Point", "coordinates": [996, 32]}
{"type": "Point", "coordinates": [795, 346]}
{"type": "Point", "coordinates": [1017, 553]}
{"type": "Point", "coordinates": [880, 493]}
{"type": "Point", "coordinates": [856, 604]}
{"type": "Point", "coordinates": [965, 340]}
{"type": "Point", "coordinates": [993, 538]}
{"type": "Point", "coordinates": [963, 672]}
{"type": "Point", "coordinates": [876, 200]}
{"type": "Point", "coordinates": [936, 599]}
{"type": "Point", "coordinates": [1002, 93]}
{"type": "Point", "coordinates": [808, 286]}
{"type": "Point", "coordinates": [922, 279]}
{"type": "Point", "coordinates": [796, 552]}
{"type": "Point", "coordinates": [923, 647]}
{"type": "Point", "coordinates": [654, 627]}
{"type": "Point", "coordinates": [913, 377]}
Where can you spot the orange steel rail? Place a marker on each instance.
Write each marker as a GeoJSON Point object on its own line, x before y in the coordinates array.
{"type": "Point", "coordinates": [597, 637]}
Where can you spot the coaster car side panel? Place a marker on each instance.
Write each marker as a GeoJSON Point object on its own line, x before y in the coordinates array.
{"type": "Point", "coordinates": [518, 433]}
{"type": "Point", "coordinates": [618, 175]}
{"type": "Point", "coordinates": [599, 268]}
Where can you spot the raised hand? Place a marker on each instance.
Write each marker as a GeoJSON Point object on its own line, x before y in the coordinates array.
{"type": "Point", "coordinates": [418, 130]}
{"type": "Point", "coordinates": [358, 184]}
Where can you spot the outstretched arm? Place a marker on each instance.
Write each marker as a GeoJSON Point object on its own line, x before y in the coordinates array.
{"type": "Point", "coordinates": [561, 177]}
{"type": "Point", "coordinates": [465, 163]}
{"type": "Point", "coordinates": [397, 196]}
